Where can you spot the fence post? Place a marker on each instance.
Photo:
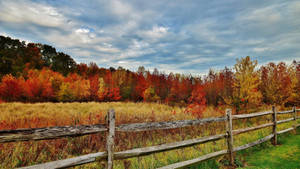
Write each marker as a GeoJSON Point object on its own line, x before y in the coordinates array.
{"type": "Point", "coordinates": [110, 138]}
{"type": "Point", "coordinates": [274, 115]}
{"type": "Point", "coordinates": [295, 113]}
{"type": "Point", "coordinates": [229, 135]}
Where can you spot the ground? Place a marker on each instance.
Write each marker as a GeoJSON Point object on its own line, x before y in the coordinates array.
{"type": "Point", "coordinates": [284, 156]}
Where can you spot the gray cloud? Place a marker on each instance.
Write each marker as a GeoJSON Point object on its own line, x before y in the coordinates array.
{"type": "Point", "coordinates": [185, 37]}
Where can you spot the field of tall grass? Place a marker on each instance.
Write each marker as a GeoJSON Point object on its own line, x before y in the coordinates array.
{"type": "Point", "coordinates": [20, 115]}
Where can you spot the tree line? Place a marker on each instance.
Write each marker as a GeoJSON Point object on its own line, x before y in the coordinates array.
{"type": "Point", "coordinates": [38, 73]}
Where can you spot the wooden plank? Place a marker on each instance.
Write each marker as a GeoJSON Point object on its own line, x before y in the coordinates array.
{"type": "Point", "coordinates": [49, 132]}
{"type": "Point", "coordinates": [285, 120]}
{"type": "Point", "coordinates": [73, 131]}
{"type": "Point", "coordinates": [184, 164]}
{"type": "Point", "coordinates": [70, 162]}
{"type": "Point", "coordinates": [166, 125]}
{"type": "Point", "coordinates": [243, 116]}
{"type": "Point", "coordinates": [274, 115]}
{"type": "Point", "coordinates": [165, 147]}
{"type": "Point", "coordinates": [239, 131]}
{"type": "Point", "coordinates": [269, 137]}
{"type": "Point", "coordinates": [285, 130]}
{"type": "Point", "coordinates": [110, 143]}
{"type": "Point", "coordinates": [286, 112]}
{"type": "Point", "coordinates": [229, 135]}
{"type": "Point", "coordinates": [126, 154]}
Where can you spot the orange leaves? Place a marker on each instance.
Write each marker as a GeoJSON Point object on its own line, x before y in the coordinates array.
{"type": "Point", "coordinates": [38, 86]}
{"type": "Point", "coordinates": [277, 83]}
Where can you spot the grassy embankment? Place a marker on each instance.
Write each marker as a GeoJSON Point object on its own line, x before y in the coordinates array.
{"type": "Point", "coordinates": [18, 115]}
{"type": "Point", "coordinates": [284, 156]}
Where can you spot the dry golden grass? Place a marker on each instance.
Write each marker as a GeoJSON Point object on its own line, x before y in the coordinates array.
{"type": "Point", "coordinates": [19, 115]}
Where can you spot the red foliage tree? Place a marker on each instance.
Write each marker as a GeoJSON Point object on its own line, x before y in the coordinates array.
{"type": "Point", "coordinates": [197, 102]}
{"type": "Point", "coordinates": [94, 87]}
{"type": "Point", "coordinates": [11, 88]}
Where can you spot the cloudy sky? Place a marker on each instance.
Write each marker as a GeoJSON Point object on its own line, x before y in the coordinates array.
{"type": "Point", "coordinates": [184, 36]}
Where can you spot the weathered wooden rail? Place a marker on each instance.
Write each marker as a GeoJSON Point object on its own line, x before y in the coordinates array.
{"type": "Point", "coordinates": [109, 155]}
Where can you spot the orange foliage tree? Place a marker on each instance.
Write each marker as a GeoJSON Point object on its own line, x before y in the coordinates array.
{"type": "Point", "coordinates": [38, 86]}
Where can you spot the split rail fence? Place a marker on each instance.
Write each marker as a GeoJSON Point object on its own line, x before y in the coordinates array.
{"type": "Point", "coordinates": [109, 155]}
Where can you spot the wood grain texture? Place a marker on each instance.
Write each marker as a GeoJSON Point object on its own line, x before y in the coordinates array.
{"type": "Point", "coordinates": [285, 120]}
{"type": "Point", "coordinates": [239, 131]}
{"type": "Point", "coordinates": [166, 125]}
{"type": "Point", "coordinates": [126, 154]}
{"type": "Point", "coordinates": [49, 133]}
{"type": "Point", "coordinates": [229, 135]}
{"type": "Point", "coordinates": [274, 115]}
{"type": "Point", "coordinates": [285, 112]}
{"type": "Point", "coordinates": [184, 164]}
{"type": "Point", "coordinates": [110, 143]}
{"type": "Point", "coordinates": [73, 131]}
{"type": "Point", "coordinates": [285, 130]}
{"type": "Point", "coordinates": [295, 113]}
{"type": "Point", "coordinates": [243, 116]}
{"type": "Point", "coordinates": [70, 162]}
{"type": "Point", "coordinates": [166, 147]}
{"type": "Point", "coordinates": [269, 137]}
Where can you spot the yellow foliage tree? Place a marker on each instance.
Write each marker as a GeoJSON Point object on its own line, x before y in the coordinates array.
{"type": "Point", "coordinates": [150, 95]}
{"type": "Point", "coordinates": [246, 82]}
{"type": "Point", "coordinates": [65, 93]}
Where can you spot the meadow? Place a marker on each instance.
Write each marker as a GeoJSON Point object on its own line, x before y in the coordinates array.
{"type": "Point", "coordinates": [20, 115]}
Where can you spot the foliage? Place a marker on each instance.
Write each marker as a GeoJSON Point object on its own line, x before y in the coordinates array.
{"type": "Point", "coordinates": [11, 88]}
{"type": "Point", "coordinates": [246, 82]}
{"type": "Point", "coordinates": [41, 74]}
{"type": "Point", "coordinates": [197, 102]}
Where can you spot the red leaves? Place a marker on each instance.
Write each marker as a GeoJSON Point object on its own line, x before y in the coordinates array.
{"type": "Point", "coordinates": [94, 87]}
{"type": "Point", "coordinates": [11, 88]}
{"type": "Point", "coordinates": [110, 94]}
{"type": "Point", "coordinates": [197, 102]}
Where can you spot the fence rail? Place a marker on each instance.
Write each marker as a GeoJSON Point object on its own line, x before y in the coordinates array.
{"type": "Point", "coordinates": [109, 155]}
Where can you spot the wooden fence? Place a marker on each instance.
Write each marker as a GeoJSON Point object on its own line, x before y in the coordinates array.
{"type": "Point", "coordinates": [109, 155]}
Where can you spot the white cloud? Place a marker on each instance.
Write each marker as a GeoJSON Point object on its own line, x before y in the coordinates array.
{"type": "Point", "coordinates": [171, 36]}
{"type": "Point", "coordinates": [154, 34]}
{"type": "Point", "coordinates": [82, 30]}
{"type": "Point", "coordinates": [29, 12]}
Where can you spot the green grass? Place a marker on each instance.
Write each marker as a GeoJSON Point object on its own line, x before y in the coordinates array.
{"type": "Point", "coordinates": [284, 156]}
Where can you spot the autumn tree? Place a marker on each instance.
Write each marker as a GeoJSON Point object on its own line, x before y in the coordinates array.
{"type": "Point", "coordinates": [294, 72]}
{"type": "Point", "coordinates": [11, 88]}
{"type": "Point", "coordinates": [38, 86]}
{"type": "Point", "coordinates": [94, 87]}
{"type": "Point", "coordinates": [150, 95]}
{"type": "Point", "coordinates": [277, 83]}
{"type": "Point", "coordinates": [80, 87]}
{"type": "Point", "coordinates": [65, 93]}
{"type": "Point", "coordinates": [246, 82]}
{"type": "Point", "coordinates": [197, 102]}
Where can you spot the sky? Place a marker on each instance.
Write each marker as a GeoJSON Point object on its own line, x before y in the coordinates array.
{"type": "Point", "coordinates": [181, 36]}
